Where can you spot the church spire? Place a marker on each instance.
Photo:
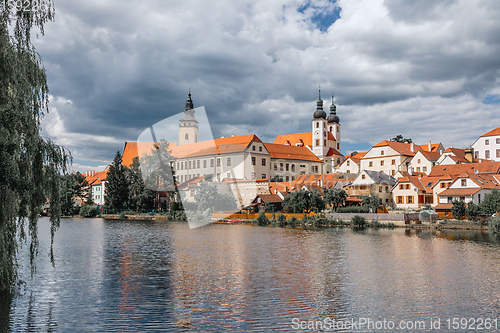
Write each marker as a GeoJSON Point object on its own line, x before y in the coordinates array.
{"type": "Point", "coordinates": [189, 102]}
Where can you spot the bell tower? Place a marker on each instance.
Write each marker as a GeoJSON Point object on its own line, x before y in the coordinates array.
{"type": "Point", "coordinates": [188, 125]}
{"type": "Point", "coordinates": [319, 130]}
{"type": "Point", "coordinates": [333, 123]}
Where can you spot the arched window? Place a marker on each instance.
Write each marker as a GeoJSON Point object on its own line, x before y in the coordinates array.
{"type": "Point", "coordinates": [331, 127]}
{"type": "Point", "coordinates": [186, 137]}
{"type": "Point", "coordinates": [317, 124]}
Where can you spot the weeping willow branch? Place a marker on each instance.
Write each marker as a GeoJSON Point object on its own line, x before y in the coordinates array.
{"type": "Point", "coordinates": [30, 166]}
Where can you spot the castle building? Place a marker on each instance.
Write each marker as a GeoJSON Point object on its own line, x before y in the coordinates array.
{"type": "Point", "coordinates": [246, 157]}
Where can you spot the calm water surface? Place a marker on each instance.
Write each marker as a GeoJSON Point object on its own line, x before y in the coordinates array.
{"type": "Point", "coordinates": [138, 276]}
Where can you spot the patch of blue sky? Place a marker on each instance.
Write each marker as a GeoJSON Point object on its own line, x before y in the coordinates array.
{"type": "Point", "coordinates": [492, 99]}
{"type": "Point", "coordinates": [322, 16]}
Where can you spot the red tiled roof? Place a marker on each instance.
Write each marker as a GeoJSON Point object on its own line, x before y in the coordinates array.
{"type": "Point", "coordinates": [290, 152]}
{"type": "Point", "coordinates": [443, 206]}
{"type": "Point", "coordinates": [470, 168]}
{"type": "Point", "coordinates": [333, 152]}
{"type": "Point", "coordinates": [293, 139]}
{"type": "Point", "coordinates": [202, 148]}
{"type": "Point", "coordinates": [459, 191]}
{"type": "Point", "coordinates": [495, 131]}
{"type": "Point", "coordinates": [434, 147]}
{"type": "Point", "coordinates": [401, 147]}
{"type": "Point", "coordinates": [268, 198]}
{"type": "Point", "coordinates": [431, 156]}
{"type": "Point", "coordinates": [97, 178]}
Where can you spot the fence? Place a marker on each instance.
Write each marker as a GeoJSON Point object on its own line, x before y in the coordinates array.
{"type": "Point", "coordinates": [388, 217]}
{"type": "Point", "coordinates": [221, 215]}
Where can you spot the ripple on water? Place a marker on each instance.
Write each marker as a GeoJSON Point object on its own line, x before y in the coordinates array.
{"type": "Point", "coordinates": [137, 276]}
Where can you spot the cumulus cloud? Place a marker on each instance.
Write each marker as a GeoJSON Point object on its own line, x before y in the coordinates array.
{"type": "Point", "coordinates": [420, 68]}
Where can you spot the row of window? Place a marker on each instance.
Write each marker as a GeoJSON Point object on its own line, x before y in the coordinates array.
{"type": "Point", "coordinates": [409, 199]}
{"type": "Point", "coordinates": [487, 154]}
{"type": "Point", "coordinates": [331, 128]}
{"type": "Point", "coordinates": [487, 141]}
{"type": "Point", "coordinates": [370, 164]}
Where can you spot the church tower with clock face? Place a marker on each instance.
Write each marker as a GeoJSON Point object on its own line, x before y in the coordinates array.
{"type": "Point", "coordinates": [320, 136]}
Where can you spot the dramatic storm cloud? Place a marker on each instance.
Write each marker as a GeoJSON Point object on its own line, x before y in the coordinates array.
{"type": "Point", "coordinates": [428, 70]}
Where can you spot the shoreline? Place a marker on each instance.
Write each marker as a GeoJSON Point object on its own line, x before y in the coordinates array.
{"type": "Point", "coordinates": [456, 227]}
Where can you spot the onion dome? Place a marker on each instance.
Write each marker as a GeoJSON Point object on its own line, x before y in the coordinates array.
{"type": "Point", "coordinates": [319, 113]}
{"type": "Point", "coordinates": [333, 118]}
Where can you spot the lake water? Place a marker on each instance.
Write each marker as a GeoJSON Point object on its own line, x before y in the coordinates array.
{"type": "Point", "coordinates": [138, 276]}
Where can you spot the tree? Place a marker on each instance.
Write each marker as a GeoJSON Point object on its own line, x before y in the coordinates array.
{"type": "Point", "coordinates": [458, 209]}
{"type": "Point", "coordinates": [303, 201]}
{"type": "Point", "coordinates": [472, 210]}
{"type": "Point", "coordinates": [208, 198]}
{"type": "Point", "coordinates": [335, 197]}
{"type": "Point", "coordinates": [491, 202]}
{"type": "Point", "coordinates": [72, 186]}
{"type": "Point", "coordinates": [156, 169]}
{"type": "Point", "coordinates": [30, 166]}
{"type": "Point", "coordinates": [140, 197]}
{"type": "Point", "coordinates": [399, 138]}
{"type": "Point", "coordinates": [372, 201]}
{"type": "Point", "coordinates": [116, 196]}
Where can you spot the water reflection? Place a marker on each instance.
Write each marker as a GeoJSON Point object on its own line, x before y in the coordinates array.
{"type": "Point", "coordinates": [139, 276]}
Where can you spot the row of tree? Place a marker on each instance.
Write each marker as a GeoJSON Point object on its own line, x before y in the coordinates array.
{"type": "Point", "coordinates": [489, 206]}
{"type": "Point", "coordinates": [307, 201]}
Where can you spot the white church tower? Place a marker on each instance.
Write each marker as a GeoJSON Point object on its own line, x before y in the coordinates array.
{"type": "Point", "coordinates": [188, 125]}
{"type": "Point", "coordinates": [319, 130]}
{"type": "Point", "coordinates": [333, 125]}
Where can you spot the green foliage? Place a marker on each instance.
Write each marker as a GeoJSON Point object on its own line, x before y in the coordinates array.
{"type": "Point", "coordinates": [262, 220]}
{"type": "Point", "coordinates": [399, 138]}
{"type": "Point", "coordinates": [72, 186]}
{"type": "Point", "coordinates": [139, 197]}
{"type": "Point", "coordinates": [335, 197]}
{"type": "Point", "coordinates": [116, 196]}
{"type": "Point", "coordinates": [293, 221]}
{"type": "Point", "coordinates": [491, 203]}
{"type": "Point", "coordinates": [157, 167]}
{"type": "Point", "coordinates": [472, 211]}
{"type": "Point", "coordinates": [372, 202]}
{"type": "Point", "coordinates": [358, 221]}
{"type": "Point", "coordinates": [494, 226]}
{"type": "Point", "coordinates": [30, 166]}
{"type": "Point", "coordinates": [88, 211]}
{"type": "Point", "coordinates": [270, 208]}
{"type": "Point", "coordinates": [176, 206]}
{"type": "Point", "coordinates": [458, 209]}
{"type": "Point", "coordinates": [208, 197]}
{"type": "Point", "coordinates": [303, 201]}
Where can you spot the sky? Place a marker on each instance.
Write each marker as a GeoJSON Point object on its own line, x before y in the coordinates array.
{"type": "Point", "coordinates": [428, 70]}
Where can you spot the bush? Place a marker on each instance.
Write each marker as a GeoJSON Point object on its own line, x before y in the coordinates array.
{"type": "Point", "coordinates": [458, 209]}
{"type": "Point", "coordinates": [358, 221]}
{"type": "Point", "coordinates": [262, 220]}
{"type": "Point", "coordinates": [88, 211]}
{"type": "Point", "coordinates": [293, 221]}
{"type": "Point", "coordinates": [494, 225]}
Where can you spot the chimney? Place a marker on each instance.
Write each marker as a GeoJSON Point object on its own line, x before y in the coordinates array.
{"type": "Point", "coordinates": [429, 146]}
{"type": "Point", "coordinates": [412, 147]}
{"type": "Point", "coordinates": [469, 154]}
